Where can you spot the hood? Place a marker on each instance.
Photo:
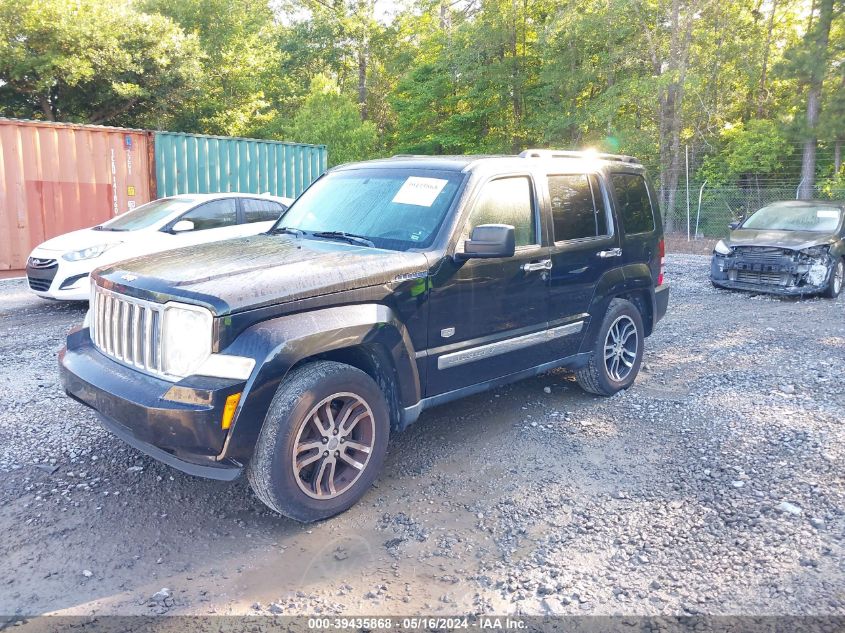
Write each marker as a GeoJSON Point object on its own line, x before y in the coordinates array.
{"type": "Point", "coordinates": [795, 240]}
{"type": "Point", "coordinates": [257, 271]}
{"type": "Point", "coordinates": [84, 238]}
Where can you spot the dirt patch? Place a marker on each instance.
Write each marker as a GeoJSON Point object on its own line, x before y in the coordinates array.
{"type": "Point", "coordinates": [713, 486]}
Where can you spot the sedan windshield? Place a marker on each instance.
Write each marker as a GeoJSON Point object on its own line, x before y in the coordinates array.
{"type": "Point", "coordinates": [395, 209]}
{"type": "Point", "coordinates": [795, 216]}
{"type": "Point", "coordinates": [147, 214]}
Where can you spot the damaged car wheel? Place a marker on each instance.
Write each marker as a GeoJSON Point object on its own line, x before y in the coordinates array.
{"type": "Point", "coordinates": [837, 276]}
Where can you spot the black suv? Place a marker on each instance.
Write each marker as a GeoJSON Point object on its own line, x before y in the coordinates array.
{"type": "Point", "coordinates": [388, 287]}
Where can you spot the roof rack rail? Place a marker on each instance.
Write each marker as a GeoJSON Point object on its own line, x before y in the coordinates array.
{"type": "Point", "coordinates": [568, 153]}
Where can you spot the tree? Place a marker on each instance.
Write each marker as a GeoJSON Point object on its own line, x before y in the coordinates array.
{"type": "Point", "coordinates": [756, 148]}
{"type": "Point", "coordinates": [811, 65]}
{"type": "Point", "coordinates": [331, 118]}
{"type": "Point", "coordinates": [243, 91]}
{"type": "Point", "coordinates": [92, 61]}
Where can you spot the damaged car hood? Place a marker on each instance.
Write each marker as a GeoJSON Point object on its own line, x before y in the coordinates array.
{"type": "Point", "coordinates": [795, 240]}
{"type": "Point", "coordinates": [257, 271]}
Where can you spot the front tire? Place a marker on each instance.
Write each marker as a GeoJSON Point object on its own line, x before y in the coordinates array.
{"type": "Point", "coordinates": [323, 442]}
{"type": "Point", "coordinates": [837, 278]}
{"type": "Point", "coordinates": [617, 353]}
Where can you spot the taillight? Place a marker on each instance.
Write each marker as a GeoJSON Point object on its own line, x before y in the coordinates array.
{"type": "Point", "coordinates": [661, 250]}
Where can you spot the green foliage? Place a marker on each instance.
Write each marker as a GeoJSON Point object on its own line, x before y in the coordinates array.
{"type": "Point", "coordinates": [756, 147]}
{"type": "Point", "coordinates": [92, 61]}
{"type": "Point", "coordinates": [242, 88]}
{"type": "Point", "coordinates": [330, 118]}
{"type": "Point", "coordinates": [438, 76]}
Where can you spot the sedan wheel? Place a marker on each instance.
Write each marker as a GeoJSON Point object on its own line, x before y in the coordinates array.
{"type": "Point", "coordinates": [837, 278]}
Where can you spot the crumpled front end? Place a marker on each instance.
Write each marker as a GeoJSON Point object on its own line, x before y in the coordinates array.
{"type": "Point", "coordinates": [773, 270]}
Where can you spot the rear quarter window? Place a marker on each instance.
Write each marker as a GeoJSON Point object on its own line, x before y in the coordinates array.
{"type": "Point", "coordinates": [634, 205]}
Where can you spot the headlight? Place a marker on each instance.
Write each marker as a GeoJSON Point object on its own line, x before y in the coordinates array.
{"type": "Point", "coordinates": [816, 252]}
{"type": "Point", "coordinates": [722, 248]}
{"type": "Point", "coordinates": [87, 253]}
{"type": "Point", "coordinates": [186, 338]}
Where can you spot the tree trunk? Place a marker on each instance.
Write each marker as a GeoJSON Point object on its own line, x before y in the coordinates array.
{"type": "Point", "coordinates": [671, 112]}
{"type": "Point", "coordinates": [762, 94]}
{"type": "Point", "coordinates": [46, 107]}
{"type": "Point", "coordinates": [816, 71]}
{"type": "Point", "coordinates": [362, 80]}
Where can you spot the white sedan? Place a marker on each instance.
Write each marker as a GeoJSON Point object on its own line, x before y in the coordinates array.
{"type": "Point", "coordinates": [59, 268]}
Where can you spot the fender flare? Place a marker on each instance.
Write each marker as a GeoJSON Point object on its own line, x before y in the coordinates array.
{"type": "Point", "coordinates": [278, 344]}
{"type": "Point", "coordinates": [613, 283]}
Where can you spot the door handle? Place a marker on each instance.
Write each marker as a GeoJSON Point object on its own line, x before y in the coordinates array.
{"type": "Point", "coordinates": [613, 252]}
{"type": "Point", "coordinates": [531, 267]}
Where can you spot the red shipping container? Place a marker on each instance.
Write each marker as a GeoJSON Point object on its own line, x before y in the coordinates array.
{"type": "Point", "coordinates": [60, 177]}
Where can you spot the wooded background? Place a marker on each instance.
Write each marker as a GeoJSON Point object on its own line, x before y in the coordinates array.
{"type": "Point", "coordinates": [747, 96]}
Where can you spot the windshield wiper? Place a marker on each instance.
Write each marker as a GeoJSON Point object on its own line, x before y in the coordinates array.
{"type": "Point", "coordinates": [106, 228]}
{"type": "Point", "coordinates": [342, 235]}
{"type": "Point", "coordinates": [287, 229]}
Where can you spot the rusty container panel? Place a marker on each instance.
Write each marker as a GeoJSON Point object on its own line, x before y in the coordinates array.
{"type": "Point", "coordinates": [58, 178]}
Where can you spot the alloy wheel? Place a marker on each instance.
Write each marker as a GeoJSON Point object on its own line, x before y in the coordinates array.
{"type": "Point", "coordinates": [838, 275]}
{"type": "Point", "coordinates": [333, 445]}
{"type": "Point", "coordinates": [620, 348]}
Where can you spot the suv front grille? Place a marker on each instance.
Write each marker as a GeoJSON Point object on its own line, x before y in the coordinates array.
{"type": "Point", "coordinates": [127, 329]}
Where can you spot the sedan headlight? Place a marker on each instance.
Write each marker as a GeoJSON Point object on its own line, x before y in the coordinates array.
{"type": "Point", "coordinates": [186, 338]}
{"type": "Point", "coordinates": [87, 253]}
{"type": "Point", "coordinates": [816, 252]}
{"type": "Point", "coordinates": [722, 248]}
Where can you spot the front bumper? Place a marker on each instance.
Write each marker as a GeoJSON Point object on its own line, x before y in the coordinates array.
{"type": "Point", "coordinates": [778, 275]}
{"type": "Point", "coordinates": [176, 423]}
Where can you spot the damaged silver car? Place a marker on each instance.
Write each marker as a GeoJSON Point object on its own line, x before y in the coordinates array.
{"type": "Point", "coordinates": [794, 248]}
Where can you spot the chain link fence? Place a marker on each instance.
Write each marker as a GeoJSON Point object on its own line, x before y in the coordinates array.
{"type": "Point", "coordinates": [711, 209]}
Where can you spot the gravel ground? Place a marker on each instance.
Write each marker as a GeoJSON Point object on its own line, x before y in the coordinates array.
{"type": "Point", "coordinates": [713, 486]}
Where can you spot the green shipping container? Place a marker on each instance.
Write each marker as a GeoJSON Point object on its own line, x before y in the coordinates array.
{"type": "Point", "coordinates": [195, 163]}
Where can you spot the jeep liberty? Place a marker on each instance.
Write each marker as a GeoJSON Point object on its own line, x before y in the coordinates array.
{"type": "Point", "coordinates": [388, 287]}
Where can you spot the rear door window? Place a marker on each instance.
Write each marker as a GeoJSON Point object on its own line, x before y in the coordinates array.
{"type": "Point", "coordinates": [578, 208]}
{"type": "Point", "coordinates": [213, 215]}
{"type": "Point", "coordinates": [635, 210]}
{"type": "Point", "coordinates": [256, 210]}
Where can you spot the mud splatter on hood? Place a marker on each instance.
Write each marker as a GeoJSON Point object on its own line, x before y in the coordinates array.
{"type": "Point", "coordinates": [257, 271]}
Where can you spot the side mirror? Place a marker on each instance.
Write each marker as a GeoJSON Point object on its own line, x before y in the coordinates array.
{"type": "Point", "coordinates": [181, 226]}
{"type": "Point", "coordinates": [734, 225]}
{"type": "Point", "coordinates": [489, 241]}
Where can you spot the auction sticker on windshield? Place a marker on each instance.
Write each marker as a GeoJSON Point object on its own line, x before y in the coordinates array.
{"type": "Point", "coordinates": [827, 213]}
{"type": "Point", "coordinates": [421, 192]}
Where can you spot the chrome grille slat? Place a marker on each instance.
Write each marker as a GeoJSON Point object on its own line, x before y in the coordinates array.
{"type": "Point", "coordinates": [128, 330]}
{"type": "Point", "coordinates": [148, 337]}
{"type": "Point", "coordinates": [107, 329]}
{"type": "Point", "coordinates": [136, 334]}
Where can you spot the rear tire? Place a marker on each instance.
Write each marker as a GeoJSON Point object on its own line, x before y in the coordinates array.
{"type": "Point", "coordinates": [323, 442]}
{"type": "Point", "coordinates": [837, 278]}
{"type": "Point", "coordinates": [617, 352]}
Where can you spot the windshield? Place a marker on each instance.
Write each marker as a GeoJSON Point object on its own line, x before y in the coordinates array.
{"type": "Point", "coordinates": [795, 216]}
{"type": "Point", "coordinates": [395, 209]}
{"type": "Point", "coordinates": [147, 214]}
